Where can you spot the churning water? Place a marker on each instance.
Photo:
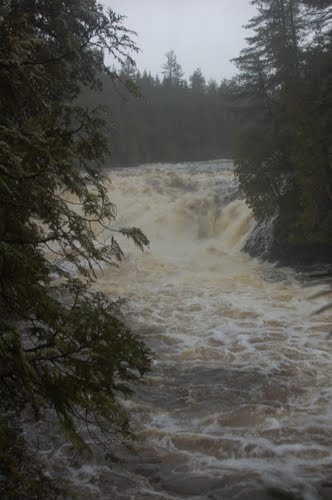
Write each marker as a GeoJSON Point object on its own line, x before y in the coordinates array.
{"type": "Point", "coordinates": [239, 397]}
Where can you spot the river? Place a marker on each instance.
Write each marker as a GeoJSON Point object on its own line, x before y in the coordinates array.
{"type": "Point", "coordinates": [239, 398]}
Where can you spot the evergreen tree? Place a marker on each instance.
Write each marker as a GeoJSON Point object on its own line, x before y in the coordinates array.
{"type": "Point", "coordinates": [128, 69]}
{"type": "Point", "coordinates": [285, 108]}
{"type": "Point", "coordinates": [171, 69]}
{"type": "Point", "coordinates": [63, 347]}
{"type": "Point", "coordinates": [197, 81]}
{"type": "Point", "coordinates": [167, 122]}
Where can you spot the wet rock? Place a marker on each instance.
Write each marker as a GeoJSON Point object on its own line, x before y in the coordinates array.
{"type": "Point", "coordinates": [270, 241]}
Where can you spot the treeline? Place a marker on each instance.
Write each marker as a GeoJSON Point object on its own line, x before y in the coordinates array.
{"type": "Point", "coordinates": [274, 118]}
{"type": "Point", "coordinates": [283, 96]}
{"type": "Point", "coordinates": [169, 119]}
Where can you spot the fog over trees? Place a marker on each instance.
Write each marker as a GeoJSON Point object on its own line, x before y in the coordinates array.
{"type": "Point", "coordinates": [167, 119]}
{"type": "Point", "coordinates": [273, 118]}
{"type": "Point", "coordinates": [67, 352]}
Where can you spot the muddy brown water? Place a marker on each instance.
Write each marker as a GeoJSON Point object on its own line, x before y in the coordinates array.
{"type": "Point", "coordinates": [239, 399]}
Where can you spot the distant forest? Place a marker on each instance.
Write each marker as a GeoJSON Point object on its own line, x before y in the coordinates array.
{"type": "Point", "coordinates": [274, 118]}
{"type": "Point", "coordinates": [66, 348]}
{"type": "Point", "coordinates": [169, 119]}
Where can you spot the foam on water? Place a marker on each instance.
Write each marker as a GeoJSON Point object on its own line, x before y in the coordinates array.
{"type": "Point", "coordinates": [240, 391]}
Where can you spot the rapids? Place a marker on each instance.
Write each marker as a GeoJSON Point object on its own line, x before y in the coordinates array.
{"type": "Point", "coordinates": [239, 398]}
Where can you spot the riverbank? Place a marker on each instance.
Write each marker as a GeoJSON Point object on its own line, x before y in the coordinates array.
{"type": "Point", "coordinates": [270, 242]}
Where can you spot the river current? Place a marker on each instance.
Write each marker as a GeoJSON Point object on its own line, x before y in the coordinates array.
{"type": "Point", "coordinates": [239, 397]}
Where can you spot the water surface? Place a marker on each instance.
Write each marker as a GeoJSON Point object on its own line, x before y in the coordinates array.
{"type": "Point", "coordinates": [239, 397]}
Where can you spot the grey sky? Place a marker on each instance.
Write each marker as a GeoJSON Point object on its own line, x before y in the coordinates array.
{"type": "Point", "coordinates": [203, 33]}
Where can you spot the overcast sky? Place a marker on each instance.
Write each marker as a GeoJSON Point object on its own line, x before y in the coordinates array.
{"type": "Point", "coordinates": [203, 33]}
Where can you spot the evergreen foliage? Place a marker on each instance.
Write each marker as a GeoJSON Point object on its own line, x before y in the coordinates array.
{"type": "Point", "coordinates": [63, 346]}
{"type": "Point", "coordinates": [284, 98]}
{"type": "Point", "coordinates": [169, 120]}
{"type": "Point", "coordinates": [171, 70]}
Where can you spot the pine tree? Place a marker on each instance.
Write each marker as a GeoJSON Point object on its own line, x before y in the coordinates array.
{"type": "Point", "coordinates": [285, 122]}
{"type": "Point", "coordinates": [171, 69]}
{"type": "Point", "coordinates": [268, 69]}
{"type": "Point", "coordinates": [197, 81]}
{"type": "Point", "coordinates": [63, 347]}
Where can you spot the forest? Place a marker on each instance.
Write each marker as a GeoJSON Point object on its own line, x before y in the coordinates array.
{"type": "Point", "coordinates": [273, 118]}
{"type": "Point", "coordinates": [165, 119]}
{"type": "Point", "coordinates": [67, 351]}
{"type": "Point", "coordinates": [283, 158]}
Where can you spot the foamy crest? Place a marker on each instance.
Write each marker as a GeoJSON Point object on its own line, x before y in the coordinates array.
{"type": "Point", "coordinates": [240, 392]}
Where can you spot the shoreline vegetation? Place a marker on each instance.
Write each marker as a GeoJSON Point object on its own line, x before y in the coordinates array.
{"type": "Point", "coordinates": [67, 352]}
{"type": "Point", "coordinates": [284, 155]}
{"type": "Point", "coordinates": [76, 358]}
{"type": "Point", "coordinates": [273, 117]}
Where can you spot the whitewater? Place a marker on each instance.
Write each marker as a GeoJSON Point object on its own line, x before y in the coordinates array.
{"type": "Point", "coordinates": [239, 397]}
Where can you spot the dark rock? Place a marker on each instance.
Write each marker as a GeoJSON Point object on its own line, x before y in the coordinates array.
{"type": "Point", "coordinates": [270, 241]}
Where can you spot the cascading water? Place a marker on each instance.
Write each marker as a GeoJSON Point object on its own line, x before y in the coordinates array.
{"type": "Point", "coordinates": [239, 397]}
{"type": "Point", "coordinates": [260, 240]}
